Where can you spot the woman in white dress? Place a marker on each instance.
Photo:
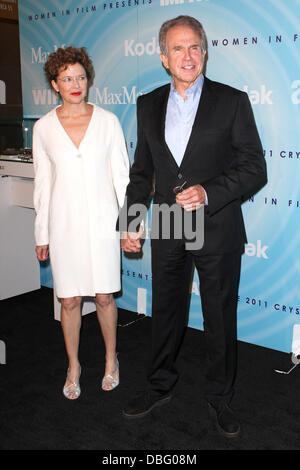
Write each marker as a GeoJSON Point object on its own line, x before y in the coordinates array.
{"type": "Point", "coordinates": [81, 174]}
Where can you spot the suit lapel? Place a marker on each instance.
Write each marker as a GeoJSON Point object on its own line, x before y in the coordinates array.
{"type": "Point", "coordinates": [205, 108]}
{"type": "Point", "coordinates": [161, 111]}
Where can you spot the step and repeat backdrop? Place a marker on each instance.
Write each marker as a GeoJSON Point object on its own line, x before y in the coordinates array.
{"type": "Point", "coordinates": [253, 46]}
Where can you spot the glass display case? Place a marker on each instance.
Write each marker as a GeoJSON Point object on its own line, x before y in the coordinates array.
{"type": "Point", "coordinates": [27, 126]}
{"type": "Point", "coordinates": [19, 268]}
{"type": "Point", "coordinates": [16, 137]}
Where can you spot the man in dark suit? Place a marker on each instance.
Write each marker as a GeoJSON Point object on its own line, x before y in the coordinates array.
{"type": "Point", "coordinates": [198, 140]}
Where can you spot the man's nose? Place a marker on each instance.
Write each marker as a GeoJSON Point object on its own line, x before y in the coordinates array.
{"type": "Point", "coordinates": [187, 54]}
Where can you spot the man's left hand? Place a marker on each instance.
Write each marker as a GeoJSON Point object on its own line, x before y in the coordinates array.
{"type": "Point", "coordinates": [191, 198]}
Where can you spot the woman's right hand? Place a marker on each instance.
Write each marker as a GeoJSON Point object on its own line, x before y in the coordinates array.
{"type": "Point", "coordinates": [42, 252]}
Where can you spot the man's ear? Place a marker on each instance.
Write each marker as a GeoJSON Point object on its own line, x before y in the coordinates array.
{"type": "Point", "coordinates": [164, 60]}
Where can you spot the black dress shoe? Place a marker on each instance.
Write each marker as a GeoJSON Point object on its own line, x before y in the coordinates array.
{"type": "Point", "coordinates": [226, 422]}
{"type": "Point", "coordinates": [143, 403]}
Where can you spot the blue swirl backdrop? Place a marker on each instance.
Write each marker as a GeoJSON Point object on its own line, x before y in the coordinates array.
{"type": "Point", "coordinates": [252, 45]}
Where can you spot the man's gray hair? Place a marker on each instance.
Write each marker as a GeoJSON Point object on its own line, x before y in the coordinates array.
{"type": "Point", "coordinates": [182, 20]}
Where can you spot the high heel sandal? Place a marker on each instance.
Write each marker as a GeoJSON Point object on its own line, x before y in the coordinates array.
{"type": "Point", "coordinates": [73, 388]}
{"type": "Point", "coordinates": [109, 382]}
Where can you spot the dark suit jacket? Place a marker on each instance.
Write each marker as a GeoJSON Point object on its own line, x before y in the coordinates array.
{"type": "Point", "coordinates": [224, 155]}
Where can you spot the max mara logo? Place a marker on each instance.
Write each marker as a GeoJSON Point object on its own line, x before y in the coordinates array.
{"type": "Point", "coordinates": [125, 96]}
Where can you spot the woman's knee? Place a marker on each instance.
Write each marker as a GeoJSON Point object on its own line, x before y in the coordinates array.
{"type": "Point", "coordinates": [70, 303]}
{"type": "Point", "coordinates": [104, 300]}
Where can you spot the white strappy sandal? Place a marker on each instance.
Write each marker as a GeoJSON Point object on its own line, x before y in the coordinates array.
{"type": "Point", "coordinates": [109, 381]}
{"type": "Point", "coordinates": [72, 391]}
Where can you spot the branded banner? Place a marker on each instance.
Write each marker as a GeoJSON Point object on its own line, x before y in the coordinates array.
{"type": "Point", "coordinates": [253, 46]}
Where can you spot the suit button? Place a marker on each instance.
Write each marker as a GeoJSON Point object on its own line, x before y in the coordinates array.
{"type": "Point", "coordinates": [179, 176]}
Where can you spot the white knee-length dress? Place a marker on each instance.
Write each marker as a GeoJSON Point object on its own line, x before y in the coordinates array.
{"type": "Point", "coordinates": [77, 195]}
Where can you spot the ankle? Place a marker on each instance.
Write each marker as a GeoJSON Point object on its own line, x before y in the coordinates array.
{"type": "Point", "coordinates": [74, 369]}
{"type": "Point", "coordinates": [111, 359]}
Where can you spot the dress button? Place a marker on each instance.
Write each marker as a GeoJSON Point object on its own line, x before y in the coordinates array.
{"type": "Point", "coordinates": [179, 176]}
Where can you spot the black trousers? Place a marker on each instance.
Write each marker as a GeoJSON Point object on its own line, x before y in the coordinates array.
{"type": "Point", "coordinates": [172, 267]}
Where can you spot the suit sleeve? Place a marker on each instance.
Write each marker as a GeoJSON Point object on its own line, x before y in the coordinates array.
{"type": "Point", "coordinates": [42, 187]}
{"type": "Point", "coordinates": [247, 173]}
{"type": "Point", "coordinates": [141, 180]}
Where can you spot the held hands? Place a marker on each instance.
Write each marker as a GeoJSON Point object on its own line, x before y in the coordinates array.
{"type": "Point", "coordinates": [131, 241]}
{"type": "Point", "coordinates": [191, 198]}
{"type": "Point", "coordinates": [42, 252]}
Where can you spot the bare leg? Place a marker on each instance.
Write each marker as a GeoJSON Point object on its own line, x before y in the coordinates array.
{"type": "Point", "coordinates": [107, 316]}
{"type": "Point", "coordinates": [71, 323]}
